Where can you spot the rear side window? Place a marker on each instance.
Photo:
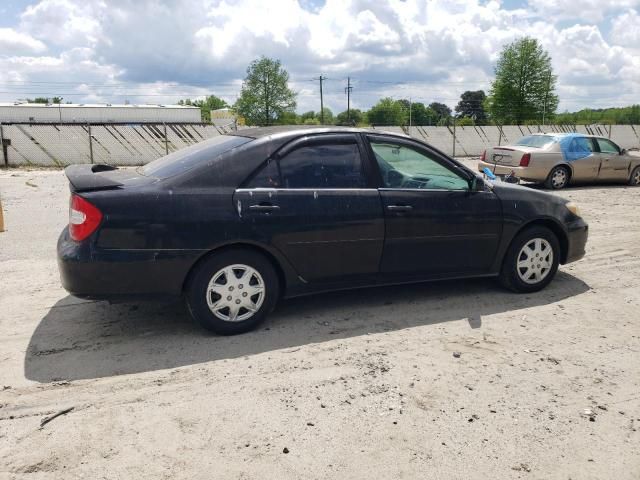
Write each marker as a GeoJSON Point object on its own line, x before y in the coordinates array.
{"type": "Point", "coordinates": [537, 141]}
{"type": "Point", "coordinates": [187, 158]}
{"type": "Point", "coordinates": [330, 165]}
{"type": "Point", "coordinates": [607, 146]}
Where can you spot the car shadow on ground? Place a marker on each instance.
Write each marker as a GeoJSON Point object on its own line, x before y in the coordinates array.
{"type": "Point", "coordinates": [578, 186]}
{"type": "Point", "coordinates": [80, 339]}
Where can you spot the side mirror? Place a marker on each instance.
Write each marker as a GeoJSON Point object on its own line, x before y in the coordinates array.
{"type": "Point", "coordinates": [623, 151]}
{"type": "Point", "coordinates": [477, 184]}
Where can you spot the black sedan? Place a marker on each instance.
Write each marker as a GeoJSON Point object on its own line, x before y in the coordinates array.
{"type": "Point", "coordinates": [239, 221]}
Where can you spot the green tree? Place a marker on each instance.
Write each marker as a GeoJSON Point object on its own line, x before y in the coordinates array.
{"type": "Point", "coordinates": [443, 112]}
{"type": "Point", "coordinates": [524, 85]}
{"type": "Point", "coordinates": [38, 100]}
{"type": "Point", "coordinates": [465, 122]}
{"type": "Point", "coordinates": [266, 97]}
{"type": "Point", "coordinates": [355, 117]}
{"type": "Point", "coordinates": [310, 115]}
{"type": "Point", "coordinates": [422, 115]}
{"type": "Point", "coordinates": [471, 105]}
{"type": "Point", "coordinates": [211, 102]}
{"type": "Point", "coordinates": [328, 116]}
{"type": "Point", "coordinates": [388, 112]}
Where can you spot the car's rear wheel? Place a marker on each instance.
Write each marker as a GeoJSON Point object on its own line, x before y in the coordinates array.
{"type": "Point", "coordinates": [558, 178]}
{"type": "Point", "coordinates": [531, 261]}
{"type": "Point", "coordinates": [233, 291]}
{"type": "Point", "coordinates": [634, 179]}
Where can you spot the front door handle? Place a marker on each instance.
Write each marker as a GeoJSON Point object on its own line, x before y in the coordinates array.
{"type": "Point", "coordinates": [399, 208]}
{"type": "Point", "coordinates": [264, 207]}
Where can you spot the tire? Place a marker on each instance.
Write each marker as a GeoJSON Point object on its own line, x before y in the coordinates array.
{"type": "Point", "coordinates": [227, 309]}
{"type": "Point", "coordinates": [558, 178]}
{"type": "Point", "coordinates": [530, 276]}
{"type": "Point", "coordinates": [634, 179]}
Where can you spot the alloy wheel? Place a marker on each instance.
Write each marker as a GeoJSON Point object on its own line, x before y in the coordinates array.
{"type": "Point", "coordinates": [235, 293]}
{"type": "Point", "coordinates": [635, 180]}
{"type": "Point", "coordinates": [559, 178]}
{"type": "Point", "coordinates": [535, 261]}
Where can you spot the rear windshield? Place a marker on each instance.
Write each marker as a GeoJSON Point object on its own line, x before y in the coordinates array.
{"type": "Point", "coordinates": [538, 141]}
{"type": "Point", "coordinates": [187, 158]}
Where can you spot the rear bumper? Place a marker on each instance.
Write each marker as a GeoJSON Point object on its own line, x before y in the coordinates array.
{"type": "Point", "coordinates": [577, 233]}
{"type": "Point", "coordinates": [113, 274]}
{"type": "Point", "coordinates": [525, 173]}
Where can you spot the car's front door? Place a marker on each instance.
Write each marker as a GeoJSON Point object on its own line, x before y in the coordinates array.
{"type": "Point", "coordinates": [613, 165]}
{"type": "Point", "coordinates": [434, 224]}
{"type": "Point", "coordinates": [313, 202]}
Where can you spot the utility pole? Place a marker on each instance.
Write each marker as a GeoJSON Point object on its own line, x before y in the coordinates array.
{"type": "Point", "coordinates": [321, 101]}
{"type": "Point", "coordinates": [546, 96]}
{"type": "Point", "coordinates": [348, 92]}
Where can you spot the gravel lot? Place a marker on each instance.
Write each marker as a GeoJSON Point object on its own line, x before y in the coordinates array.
{"type": "Point", "coordinates": [361, 384]}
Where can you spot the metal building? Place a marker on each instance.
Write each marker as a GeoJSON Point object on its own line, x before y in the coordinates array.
{"type": "Point", "coordinates": [97, 113]}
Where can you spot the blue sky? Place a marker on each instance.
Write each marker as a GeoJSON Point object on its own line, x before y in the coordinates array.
{"type": "Point", "coordinates": [154, 51]}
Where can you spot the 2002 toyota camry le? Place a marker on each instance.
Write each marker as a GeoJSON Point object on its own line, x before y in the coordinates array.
{"type": "Point", "coordinates": [236, 222]}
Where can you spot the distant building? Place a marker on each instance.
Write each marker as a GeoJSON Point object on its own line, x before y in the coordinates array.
{"type": "Point", "coordinates": [97, 113]}
{"type": "Point", "coordinates": [225, 116]}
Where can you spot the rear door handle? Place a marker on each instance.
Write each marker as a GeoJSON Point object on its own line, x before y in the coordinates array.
{"type": "Point", "coordinates": [264, 207]}
{"type": "Point", "coordinates": [399, 208]}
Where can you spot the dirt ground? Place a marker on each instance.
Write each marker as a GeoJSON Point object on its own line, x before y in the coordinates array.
{"type": "Point", "coordinates": [362, 384]}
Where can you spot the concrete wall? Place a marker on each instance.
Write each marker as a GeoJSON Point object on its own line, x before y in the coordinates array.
{"type": "Point", "coordinates": [59, 145]}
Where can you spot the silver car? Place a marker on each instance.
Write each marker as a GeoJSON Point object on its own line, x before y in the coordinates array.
{"type": "Point", "coordinates": [560, 159]}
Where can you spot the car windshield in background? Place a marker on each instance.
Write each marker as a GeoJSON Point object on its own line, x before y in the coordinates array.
{"type": "Point", "coordinates": [187, 158]}
{"type": "Point", "coordinates": [537, 141]}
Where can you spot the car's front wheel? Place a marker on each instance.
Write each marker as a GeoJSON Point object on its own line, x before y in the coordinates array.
{"type": "Point", "coordinates": [233, 291]}
{"type": "Point", "coordinates": [558, 178]}
{"type": "Point", "coordinates": [531, 261]}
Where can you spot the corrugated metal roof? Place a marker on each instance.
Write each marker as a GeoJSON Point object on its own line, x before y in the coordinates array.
{"type": "Point", "coordinates": [92, 105]}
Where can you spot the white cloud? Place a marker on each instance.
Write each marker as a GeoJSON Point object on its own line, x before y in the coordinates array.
{"type": "Point", "coordinates": [625, 29]}
{"type": "Point", "coordinates": [427, 50]}
{"type": "Point", "coordinates": [18, 43]}
{"type": "Point", "coordinates": [64, 23]}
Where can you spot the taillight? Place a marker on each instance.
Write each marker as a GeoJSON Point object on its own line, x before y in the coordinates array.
{"type": "Point", "coordinates": [84, 218]}
{"type": "Point", "coordinates": [524, 161]}
{"type": "Point", "coordinates": [483, 156]}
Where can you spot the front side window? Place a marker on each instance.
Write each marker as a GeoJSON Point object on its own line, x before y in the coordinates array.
{"type": "Point", "coordinates": [405, 168]}
{"type": "Point", "coordinates": [607, 146]}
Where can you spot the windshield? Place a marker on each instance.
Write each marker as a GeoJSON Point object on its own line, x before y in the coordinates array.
{"type": "Point", "coordinates": [537, 141]}
{"type": "Point", "coordinates": [187, 158]}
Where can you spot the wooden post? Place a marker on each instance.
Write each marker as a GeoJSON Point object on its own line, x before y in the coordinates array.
{"type": "Point", "coordinates": [5, 157]}
{"type": "Point", "coordinates": [166, 140]}
{"type": "Point", "coordinates": [1, 217]}
{"type": "Point", "coordinates": [90, 144]}
{"type": "Point", "coordinates": [454, 138]}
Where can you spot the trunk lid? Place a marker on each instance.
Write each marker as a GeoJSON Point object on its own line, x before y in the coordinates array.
{"type": "Point", "coordinates": [87, 178]}
{"type": "Point", "coordinates": [508, 155]}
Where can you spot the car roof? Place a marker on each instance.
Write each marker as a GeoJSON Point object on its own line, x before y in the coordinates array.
{"type": "Point", "coordinates": [294, 130]}
{"type": "Point", "coordinates": [564, 134]}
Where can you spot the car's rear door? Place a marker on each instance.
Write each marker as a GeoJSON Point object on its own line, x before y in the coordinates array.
{"type": "Point", "coordinates": [434, 224]}
{"type": "Point", "coordinates": [613, 165]}
{"type": "Point", "coordinates": [314, 203]}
